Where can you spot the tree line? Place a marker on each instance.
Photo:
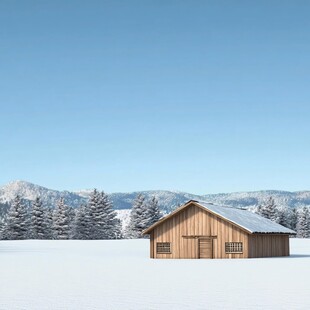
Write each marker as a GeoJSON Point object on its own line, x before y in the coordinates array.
{"type": "Point", "coordinates": [297, 219]}
{"type": "Point", "coordinates": [95, 219]}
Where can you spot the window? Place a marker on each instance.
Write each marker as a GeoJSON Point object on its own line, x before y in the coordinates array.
{"type": "Point", "coordinates": [233, 247]}
{"type": "Point", "coordinates": [163, 247]}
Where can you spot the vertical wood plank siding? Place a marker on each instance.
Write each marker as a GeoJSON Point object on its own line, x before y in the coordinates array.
{"type": "Point", "coordinates": [261, 245]}
{"type": "Point", "coordinates": [182, 228]}
{"type": "Point", "coordinates": [152, 245]}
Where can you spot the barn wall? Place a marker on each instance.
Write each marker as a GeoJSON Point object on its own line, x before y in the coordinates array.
{"type": "Point", "coordinates": [152, 244]}
{"type": "Point", "coordinates": [264, 245]}
{"type": "Point", "coordinates": [182, 228]}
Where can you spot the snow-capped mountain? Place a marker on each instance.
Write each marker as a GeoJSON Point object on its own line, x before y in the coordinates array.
{"type": "Point", "coordinates": [250, 199]}
{"type": "Point", "coordinates": [168, 200]}
{"type": "Point", "coordinates": [29, 191]}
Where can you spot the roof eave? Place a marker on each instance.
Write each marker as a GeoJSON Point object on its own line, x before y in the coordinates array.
{"type": "Point", "coordinates": [196, 203]}
{"type": "Point", "coordinates": [273, 233]}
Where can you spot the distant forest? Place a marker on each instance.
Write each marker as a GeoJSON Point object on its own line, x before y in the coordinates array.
{"type": "Point", "coordinates": [97, 219]}
{"type": "Point", "coordinates": [93, 220]}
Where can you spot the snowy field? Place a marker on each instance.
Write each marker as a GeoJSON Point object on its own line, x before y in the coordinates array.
{"type": "Point", "coordinates": [119, 275]}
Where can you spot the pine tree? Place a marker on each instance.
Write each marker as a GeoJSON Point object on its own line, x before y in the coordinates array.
{"type": "Point", "coordinates": [72, 215]}
{"type": "Point", "coordinates": [112, 226]}
{"type": "Point", "coordinates": [282, 217]}
{"type": "Point", "coordinates": [61, 221]}
{"type": "Point", "coordinates": [293, 219]}
{"type": "Point", "coordinates": [138, 218]}
{"type": "Point", "coordinates": [2, 228]}
{"type": "Point", "coordinates": [153, 213]}
{"type": "Point", "coordinates": [17, 221]}
{"type": "Point", "coordinates": [104, 224]}
{"type": "Point", "coordinates": [82, 223]}
{"type": "Point", "coordinates": [303, 223]}
{"type": "Point", "coordinates": [95, 214]}
{"type": "Point", "coordinates": [48, 223]}
{"type": "Point", "coordinates": [269, 209]}
{"type": "Point", "coordinates": [38, 223]}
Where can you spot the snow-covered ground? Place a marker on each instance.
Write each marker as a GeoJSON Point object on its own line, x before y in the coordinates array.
{"type": "Point", "coordinates": [119, 275]}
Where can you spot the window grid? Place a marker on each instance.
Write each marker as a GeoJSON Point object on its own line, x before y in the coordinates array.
{"type": "Point", "coordinates": [163, 247]}
{"type": "Point", "coordinates": [233, 247]}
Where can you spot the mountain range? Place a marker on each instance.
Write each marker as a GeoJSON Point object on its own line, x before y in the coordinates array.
{"type": "Point", "coordinates": [168, 200]}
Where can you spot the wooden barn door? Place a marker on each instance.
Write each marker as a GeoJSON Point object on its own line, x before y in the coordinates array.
{"type": "Point", "coordinates": [205, 248]}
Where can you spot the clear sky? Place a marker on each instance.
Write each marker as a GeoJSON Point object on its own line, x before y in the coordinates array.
{"type": "Point", "coordinates": [197, 96]}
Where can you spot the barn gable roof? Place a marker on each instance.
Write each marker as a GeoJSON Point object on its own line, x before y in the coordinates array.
{"type": "Point", "coordinates": [247, 220]}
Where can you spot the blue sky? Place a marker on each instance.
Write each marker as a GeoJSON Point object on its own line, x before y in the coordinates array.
{"type": "Point", "coordinates": [197, 96]}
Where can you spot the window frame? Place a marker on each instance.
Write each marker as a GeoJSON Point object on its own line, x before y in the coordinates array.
{"type": "Point", "coordinates": [230, 246]}
{"type": "Point", "coordinates": [163, 246]}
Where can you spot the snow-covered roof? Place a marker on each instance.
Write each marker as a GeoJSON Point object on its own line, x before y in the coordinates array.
{"type": "Point", "coordinates": [248, 220]}
{"type": "Point", "coordinates": [251, 222]}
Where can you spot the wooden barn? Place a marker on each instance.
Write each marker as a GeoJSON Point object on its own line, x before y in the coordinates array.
{"type": "Point", "coordinates": [204, 230]}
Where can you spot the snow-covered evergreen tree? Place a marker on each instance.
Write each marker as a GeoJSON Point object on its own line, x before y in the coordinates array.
{"type": "Point", "coordinates": [282, 216]}
{"type": "Point", "coordinates": [303, 223]}
{"type": "Point", "coordinates": [2, 228]}
{"type": "Point", "coordinates": [82, 223]}
{"type": "Point", "coordinates": [138, 218]}
{"type": "Point", "coordinates": [61, 221]}
{"type": "Point", "coordinates": [94, 213]}
{"type": "Point", "coordinates": [269, 209]}
{"type": "Point", "coordinates": [102, 221]}
{"type": "Point", "coordinates": [38, 224]}
{"type": "Point", "coordinates": [293, 219]}
{"type": "Point", "coordinates": [153, 213]}
{"type": "Point", "coordinates": [112, 227]}
{"type": "Point", "coordinates": [104, 224]}
{"type": "Point", "coordinates": [48, 223]}
{"type": "Point", "coordinates": [72, 214]}
{"type": "Point", "coordinates": [17, 221]}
